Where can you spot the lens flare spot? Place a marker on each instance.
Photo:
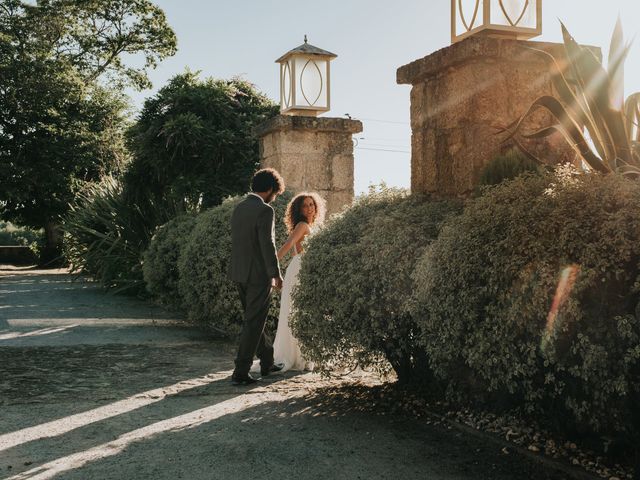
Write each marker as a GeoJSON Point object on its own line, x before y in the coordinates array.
{"type": "Point", "coordinates": [563, 290]}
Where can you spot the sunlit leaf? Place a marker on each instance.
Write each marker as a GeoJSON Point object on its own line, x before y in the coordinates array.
{"type": "Point", "coordinates": [616, 66]}
{"type": "Point", "coordinates": [588, 110]}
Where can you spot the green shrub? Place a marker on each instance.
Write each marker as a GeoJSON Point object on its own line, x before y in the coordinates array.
{"type": "Point", "coordinates": [105, 235]}
{"type": "Point", "coordinates": [13, 235]}
{"type": "Point", "coordinates": [485, 288]}
{"type": "Point", "coordinates": [355, 278]}
{"type": "Point", "coordinates": [506, 166]}
{"type": "Point", "coordinates": [160, 260]}
{"type": "Point", "coordinates": [209, 297]}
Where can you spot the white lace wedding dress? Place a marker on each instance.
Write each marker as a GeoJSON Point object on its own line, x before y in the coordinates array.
{"type": "Point", "coordinates": [285, 346]}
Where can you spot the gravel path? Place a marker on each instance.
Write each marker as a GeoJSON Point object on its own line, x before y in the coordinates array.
{"type": "Point", "coordinates": [96, 386]}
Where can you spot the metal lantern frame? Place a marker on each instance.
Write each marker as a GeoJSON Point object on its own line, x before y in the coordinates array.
{"type": "Point", "coordinates": [511, 28]}
{"type": "Point", "coordinates": [291, 80]}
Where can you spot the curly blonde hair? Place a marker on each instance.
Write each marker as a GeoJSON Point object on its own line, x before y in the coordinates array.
{"type": "Point", "coordinates": [293, 214]}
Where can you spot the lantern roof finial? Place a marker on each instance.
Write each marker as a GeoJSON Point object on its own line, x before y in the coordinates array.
{"type": "Point", "coordinates": [306, 49]}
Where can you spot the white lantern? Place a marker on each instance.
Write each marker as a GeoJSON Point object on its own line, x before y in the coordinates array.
{"type": "Point", "coordinates": [517, 19]}
{"type": "Point", "coordinates": [305, 80]}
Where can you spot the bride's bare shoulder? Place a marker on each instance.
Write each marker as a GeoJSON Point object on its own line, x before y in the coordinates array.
{"type": "Point", "coordinates": [303, 226]}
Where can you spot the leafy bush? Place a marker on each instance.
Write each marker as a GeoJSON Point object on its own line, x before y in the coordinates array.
{"type": "Point", "coordinates": [501, 314]}
{"type": "Point", "coordinates": [506, 166]}
{"type": "Point", "coordinates": [208, 295]}
{"type": "Point", "coordinates": [355, 278]}
{"type": "Point", "coordinates": [21, 236]}
{"type": "Point", "coordinates": [105, 235]}
{"type": "Point", "coordinates": [160, 260]}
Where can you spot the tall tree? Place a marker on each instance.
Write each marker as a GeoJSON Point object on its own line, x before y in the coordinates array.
{"type": "Point", "coordinates": [58, 127]}
{"type": "Point", "coordinates": [92, 36]}
{"type": "Point", "coordinates": [193, 144]}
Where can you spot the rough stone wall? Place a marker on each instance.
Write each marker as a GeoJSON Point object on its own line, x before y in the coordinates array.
{"type": "Point", "coordinates": [461, 96]}
{"type": "Point", "coordinates": [312, 154]}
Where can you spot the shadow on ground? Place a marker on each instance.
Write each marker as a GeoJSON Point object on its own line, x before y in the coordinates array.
{"type": "Point", "coordinates": [45, 296]}
{"type": "Point", "coordinates": [90, 401]}
{"type": "Point", "coordinates": [276, 430]}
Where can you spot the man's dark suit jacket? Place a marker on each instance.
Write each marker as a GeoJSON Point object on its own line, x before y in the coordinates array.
{"type": "Point", "coordinates": [253, 249]}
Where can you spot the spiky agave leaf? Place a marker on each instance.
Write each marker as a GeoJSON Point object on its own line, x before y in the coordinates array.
{"type": "Point", "coordinates": [577, 112]}
{"type": "Point", "coordinates": [596, 86]}
{"type": "Point", "coordinates": [569, 128]}
{"type": "Point", "coordinates": [617, 52]}
{"type": "Point", "coordinates": [587, 104]}
{"type": "Point", "coordinates": [632, 116]}
{"type": "Point", "coordinates": [579, 109]}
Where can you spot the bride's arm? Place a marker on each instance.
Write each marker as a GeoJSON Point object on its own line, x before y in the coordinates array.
{"type": "Point", "coordinates": [301, 231]}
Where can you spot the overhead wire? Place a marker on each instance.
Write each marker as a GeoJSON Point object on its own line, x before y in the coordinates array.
{"type": "Point", "coordinates": [383, 121]}
{"type": "Point", "coordinates": [382, 150]}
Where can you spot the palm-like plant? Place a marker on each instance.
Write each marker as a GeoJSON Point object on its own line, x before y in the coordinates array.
{"type": "Point", "coordinates": [590, 110]}
{"type": "Point", "coordinates": [106, 235]}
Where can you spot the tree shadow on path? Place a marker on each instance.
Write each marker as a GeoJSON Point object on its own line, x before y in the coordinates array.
{"type": "Point", "coordinates": [281, 429]}
{"type": "Point", "coordinates": [47, 297]}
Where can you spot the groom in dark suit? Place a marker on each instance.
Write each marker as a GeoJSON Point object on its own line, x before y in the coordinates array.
{"type": "Point", "coordinates": [255, 270]}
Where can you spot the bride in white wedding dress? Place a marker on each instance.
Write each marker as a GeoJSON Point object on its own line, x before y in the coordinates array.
{"type": "Point", "coordinates": [304, 212]}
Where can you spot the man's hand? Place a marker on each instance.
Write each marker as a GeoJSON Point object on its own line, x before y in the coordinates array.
{"type": "Point", "coordinates": [277, 283]}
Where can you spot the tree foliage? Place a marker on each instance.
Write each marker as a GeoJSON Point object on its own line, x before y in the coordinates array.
{"type": "Point", "coordinates": [93, 37]}
{"type": "Point", "coordinates": [51, 144]}
{"type": "Point", "coordinates": [193, 143]}
{"type": "Point", "coordinates": [58, 127]}
{"type": "Point", "coordinates": [191, 147]}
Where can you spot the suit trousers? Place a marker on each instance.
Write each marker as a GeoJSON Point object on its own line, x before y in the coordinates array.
{"type": "Point", "coordinates": [256, 300]}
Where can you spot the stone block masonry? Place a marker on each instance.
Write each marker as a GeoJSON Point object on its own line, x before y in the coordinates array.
{"type": "Point", "coordinates": [462, 95]}
{"type": "Point", "coordinates": [312, 154]}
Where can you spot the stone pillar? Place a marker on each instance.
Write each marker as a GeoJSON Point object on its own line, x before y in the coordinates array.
{"type": "Point", "coordinates": [461, 96]}
{"type": "Point", "coordinates": [312, 154]}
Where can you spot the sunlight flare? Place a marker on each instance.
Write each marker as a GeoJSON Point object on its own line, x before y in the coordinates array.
{"type": "Point", "coordinates": [565, 285]}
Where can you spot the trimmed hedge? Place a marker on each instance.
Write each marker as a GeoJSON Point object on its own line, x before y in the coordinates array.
{"type": "Point", "coordinates": [160, 260]}
{"type": "Point", "coordinates": [208, 295]}
{"type": "Point", "coordinates": [355, 278]}
{"type": "Point", "coordinates": [485, 290]}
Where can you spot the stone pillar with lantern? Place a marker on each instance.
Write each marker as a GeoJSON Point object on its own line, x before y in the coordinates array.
{"type": "Point", "coordinates": [312, 153]}
{"type": "Point", "coordinates": [464, 94]}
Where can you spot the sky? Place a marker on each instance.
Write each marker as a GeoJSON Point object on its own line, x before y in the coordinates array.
{"type": "Point", "coordinates": [372, 38]}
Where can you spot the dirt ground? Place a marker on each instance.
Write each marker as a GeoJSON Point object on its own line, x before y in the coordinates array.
{"type": "Point", "coordinates": [97, 386]}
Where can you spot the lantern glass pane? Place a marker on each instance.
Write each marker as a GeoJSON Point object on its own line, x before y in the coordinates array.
{"type": "Point", "coordinates": [311, 84]}
{"type": "Point", "coordinates": [469, 15]}
{"type": "Point", "coordinates": [514, 13]}
{"type": "Point", "coordinates": [286, 85]}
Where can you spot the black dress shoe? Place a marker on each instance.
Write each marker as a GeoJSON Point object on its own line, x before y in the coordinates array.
{"type": "Point", "coordinates": [243, 379]}
{"type": "Point", "coordinates": [276, 367]}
